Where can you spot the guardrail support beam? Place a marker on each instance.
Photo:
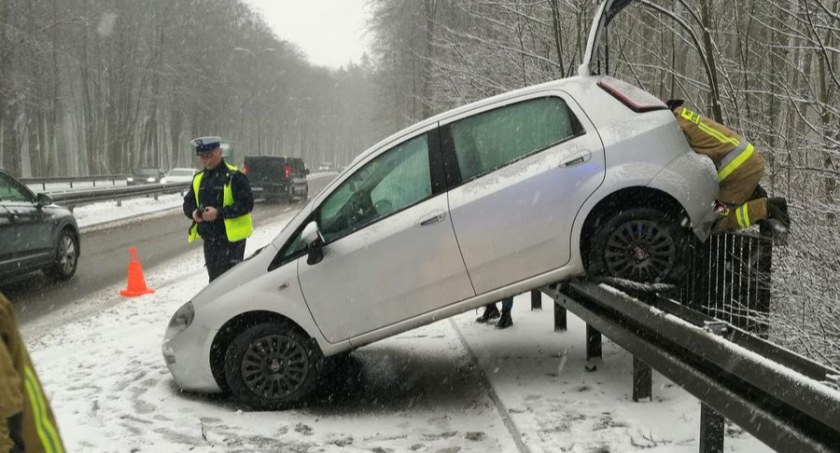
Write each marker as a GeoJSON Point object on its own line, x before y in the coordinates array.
{"type": "Point", "coordinates": [593, 343]}
{"type": "Point", "coordinates": [536, 300]}
{"type": "Point", "coordinates": [711, 430]}
{"type": "Point", "coordinates": [559, 317]}
{"type": "Point", "coordinates": [642, 380]}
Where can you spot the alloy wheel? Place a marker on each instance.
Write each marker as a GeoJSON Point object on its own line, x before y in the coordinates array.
{"type": "Point", "coordinates": [640, 250]}
{"type": "Point", "coordinates": [274, 366]}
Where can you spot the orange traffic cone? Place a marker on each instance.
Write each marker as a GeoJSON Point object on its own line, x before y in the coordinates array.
{"type": "Point", "coordinates": [136, 282]}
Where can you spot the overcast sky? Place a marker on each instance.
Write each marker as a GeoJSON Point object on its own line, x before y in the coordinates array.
{"type": "Point", "coordinates": [330, 32]}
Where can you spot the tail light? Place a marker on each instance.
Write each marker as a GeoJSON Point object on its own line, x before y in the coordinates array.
{"type": "Point", "coordinates": [287, 171]}
{"type": "Point", "coordinates": [244, 169]}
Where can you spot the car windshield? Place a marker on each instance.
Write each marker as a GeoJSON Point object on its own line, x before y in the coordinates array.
{"type": "Point", "coordinates": [147, 172]}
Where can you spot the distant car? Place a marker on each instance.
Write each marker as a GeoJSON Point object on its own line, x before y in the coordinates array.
{"type": "Point", "coordinates": [277, 178]}
{"type": "Point", "coordinates": [587, 175]}
{"type": "Point", "coordinates": [325, 166]}
{"type": "Point", "coordinates": [145, 176]}
{"type": "Point", "coordinates": [179, 175]}
{"type": "Point", "coordinates": [35, 234]}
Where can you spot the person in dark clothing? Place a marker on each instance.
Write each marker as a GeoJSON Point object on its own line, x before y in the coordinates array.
{"type": "Point", "coordinates": [219, 202]}
{"type": "Point", "coordinates": [491, 312]}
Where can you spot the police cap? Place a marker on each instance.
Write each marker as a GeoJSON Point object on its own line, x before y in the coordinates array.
{"type": "Point", "coordinates": [206, 144]}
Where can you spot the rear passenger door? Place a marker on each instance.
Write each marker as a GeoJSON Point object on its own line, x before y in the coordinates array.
{"type": "Point", "coordinates": [518, 176]}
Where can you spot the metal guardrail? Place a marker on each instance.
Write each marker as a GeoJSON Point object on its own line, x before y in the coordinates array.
{"type": "Point", "coordinates": [790, 403]}
{"type": "Point", "coordinates": [72, 198]}
{"type": "Point", "coordinates": [72, 179]}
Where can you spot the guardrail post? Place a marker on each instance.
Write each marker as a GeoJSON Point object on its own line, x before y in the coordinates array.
{"type": "Point", "coordinates": [593, 343]}
{"type": "Point", "coordinates": [642, 380]}
{"type": "Point", "coordinates": [559, 317]}
{"type": "Point", "coordinates": [536, 300]}
{"type": "Point", "coordinates": [711, 430]}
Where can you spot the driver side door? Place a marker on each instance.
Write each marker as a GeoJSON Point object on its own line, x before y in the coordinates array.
{"type": "Point", "coordinates": [389, 250]}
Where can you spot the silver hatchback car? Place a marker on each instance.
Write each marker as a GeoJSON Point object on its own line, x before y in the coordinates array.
{"type": "Point", "coordinates": [582, 175]}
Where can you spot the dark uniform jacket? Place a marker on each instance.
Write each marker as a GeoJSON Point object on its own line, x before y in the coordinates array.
{"type": "Point", "coordinates": [211, 193]}
{"type": "Point", "coordinates": [27, 423]}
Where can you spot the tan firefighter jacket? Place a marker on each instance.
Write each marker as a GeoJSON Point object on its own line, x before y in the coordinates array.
{"type": "Point", "coordinates": [22, 400]}
{"type": "Point", "coordinates": [739, 165]}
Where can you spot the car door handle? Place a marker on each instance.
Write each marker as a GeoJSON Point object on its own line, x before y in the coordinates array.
{"type": "Point", "coordinates": [577, 159]}
{"type": "Point", "coordinates": [431, 219]}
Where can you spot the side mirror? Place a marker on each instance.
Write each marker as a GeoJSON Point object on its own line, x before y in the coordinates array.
{"type": "Point", "coordinates": [312, 236]}
{"type": "Point", "coordinates": [44, 199]}
{"type": "Point", "coordinates": [307, 171]}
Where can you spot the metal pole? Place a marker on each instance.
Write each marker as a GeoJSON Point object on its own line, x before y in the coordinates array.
{"type": "Point", "coordinates": [559, 317]}
{"type": "Point", "coordinates": [536, 300]}
{"type": "Point", "coordinates": [642, 380]}
{"type": "Point", "coordinates": [593, 343]}
{"type": "Point", "coordinates": [711, 430]}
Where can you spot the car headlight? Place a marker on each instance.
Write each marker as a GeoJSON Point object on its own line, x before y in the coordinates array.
{"type": "Point", "coordinates": [129, 179]}
{"type": "Point", "coordinates": [150, 179]}
{"type": "Point", "coordinates": [163, 180]}
{"type": "Point", "coordinates": [181, 320]}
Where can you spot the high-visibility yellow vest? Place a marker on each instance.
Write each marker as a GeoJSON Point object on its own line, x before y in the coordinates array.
{"type": "Point", "coordinates": [237, 228]}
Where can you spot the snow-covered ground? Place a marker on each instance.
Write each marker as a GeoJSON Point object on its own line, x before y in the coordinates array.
{"type": "Point", "coordinates": [453, 386]}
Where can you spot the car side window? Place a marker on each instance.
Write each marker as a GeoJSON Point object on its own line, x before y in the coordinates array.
{"type": "Point", "coordinates": [492, 139]}
{"type": "Point", "coordinates": [395, 180]}
{"type": "Point", "coordinates": [11, 190]}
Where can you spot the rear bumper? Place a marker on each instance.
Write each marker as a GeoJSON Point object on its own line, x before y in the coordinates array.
{"type": "Point", "coordinates": [692, 179]}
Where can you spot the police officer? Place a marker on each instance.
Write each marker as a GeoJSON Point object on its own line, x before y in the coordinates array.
{"type": "Point", "coordinates": [742, 201]}
{"type": "Point", "coordinates": [220, 203]}
{"type": "Point", "coordinates": [27, 423]}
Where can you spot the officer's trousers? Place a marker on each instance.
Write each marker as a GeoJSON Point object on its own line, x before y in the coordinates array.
{"type": "Point", "coordinates": [221, 255]}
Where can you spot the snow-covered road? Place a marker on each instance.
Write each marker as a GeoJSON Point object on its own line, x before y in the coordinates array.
{"type": "Point", "coordinates": [453, 386]}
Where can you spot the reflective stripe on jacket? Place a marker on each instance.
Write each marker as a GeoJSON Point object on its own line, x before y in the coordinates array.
{"type": "Point", "coordinates": [21, 391]}
{"type": "Point", "coordinates": [728, 150]}
{"type": "Point", "coordinates": [237, 228]}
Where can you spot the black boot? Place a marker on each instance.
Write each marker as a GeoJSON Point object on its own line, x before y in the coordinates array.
{"type": "Point", "coordinates": [777, 209]}
{"type": "Point", "coordinates": [504, 321]}
{"type": "Point", "coordinates": [490, 312]}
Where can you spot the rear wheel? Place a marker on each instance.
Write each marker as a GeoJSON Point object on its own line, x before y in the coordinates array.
{"type": "Point", "coordinates": [66, 256]}
{"type": "Point", "coordinates": [272, 366]}
{"type": "Point", "coordinates": [639, 244]}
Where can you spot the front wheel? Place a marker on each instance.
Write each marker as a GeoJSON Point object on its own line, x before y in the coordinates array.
{"type": "Point", "coordinates": [272, 366]}
{"type": "Point", "coordinates": [640, 244]}
{"type": "Point", "coordinates": [66, 256]}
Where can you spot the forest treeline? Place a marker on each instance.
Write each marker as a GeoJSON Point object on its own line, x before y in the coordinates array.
{"type": "Point", "coordinates": [105, 86]}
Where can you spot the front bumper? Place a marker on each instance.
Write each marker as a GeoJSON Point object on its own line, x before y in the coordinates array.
{"type": "Point", "coordinates": [187, 355]}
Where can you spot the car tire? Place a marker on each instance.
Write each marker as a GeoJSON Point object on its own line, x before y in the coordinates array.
{"type": "Point", "coordinates": [272, 366]}
{"type": "Point", "coordinates": [66, 256]}
{"type": "Point", "coordinates": [640, 244]}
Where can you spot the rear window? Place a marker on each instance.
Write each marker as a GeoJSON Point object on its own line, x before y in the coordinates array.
{"type": "Point", "coordinates": [636, 99]}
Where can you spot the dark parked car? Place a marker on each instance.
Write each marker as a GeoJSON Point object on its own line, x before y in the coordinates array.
{"type": "Point", "coordinates": [35, 234]}
{"type": "Point", "coordinates": [145, 176]}
{"type": "Point", "coordinates": [276, 178]}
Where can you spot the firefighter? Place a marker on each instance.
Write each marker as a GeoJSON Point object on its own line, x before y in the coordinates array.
{"type": "Point", "coordinates": [741, 201]}
{"type": "Point", "coordinates": [27, 423]}
{"type": "Point", "coordinates": [219, 202]}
